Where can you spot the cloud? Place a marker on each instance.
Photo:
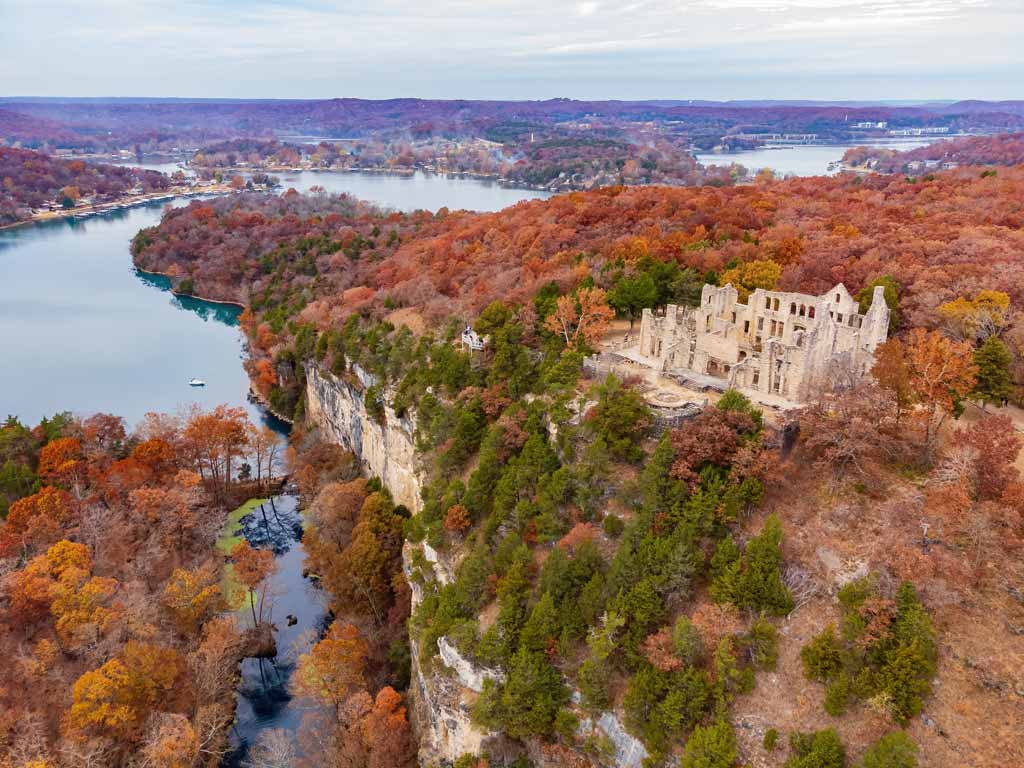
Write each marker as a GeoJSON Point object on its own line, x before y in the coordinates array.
{"type": "Point", "coordinates": [499, 48]}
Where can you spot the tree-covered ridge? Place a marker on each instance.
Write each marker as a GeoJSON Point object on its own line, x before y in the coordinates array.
{"type": "Point", "coordinates": [310, 262]}
{"type": "Point", "coordinates": [1005, 149]}
{"type": "Point", "coordinates": [938, 238]}
{"type": "Point", "coordinates": [29, 179]}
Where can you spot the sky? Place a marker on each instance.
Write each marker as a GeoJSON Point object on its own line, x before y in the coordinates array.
{"type": "Point", "coordinates": [522, 49]}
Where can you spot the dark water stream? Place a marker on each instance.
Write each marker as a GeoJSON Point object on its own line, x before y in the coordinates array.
{"type": "Point", "coordinates": [264, 699]}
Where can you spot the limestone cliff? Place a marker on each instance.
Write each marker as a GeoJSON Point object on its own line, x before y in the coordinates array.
{"type": "Point", "coordinates": [387, 450]}
{"type": "Point", "coordinates": [439, 701]}
{"type": "Point", "coordinates": [440, 698]}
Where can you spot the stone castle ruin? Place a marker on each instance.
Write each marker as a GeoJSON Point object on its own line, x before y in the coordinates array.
{"type": "Point", "coordinates": [778, 343]}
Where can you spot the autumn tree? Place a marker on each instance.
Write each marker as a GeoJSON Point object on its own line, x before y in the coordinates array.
{"type": "Point", "coordinates": [751, 275]}
{"type": "Point", "coordinates": [891, 370]}
{"type": "Point", "coordinates": [334, 668]}
{"type": "Point", "coordinates": [942, 373]}
{"type": "Point", "coordinates": [36, 521]}
{"type": "Point", "coordinates": [986, 314]}
{"type": "Point", "coordinates": [192, 597]}
{"type": "Point", "coordinates": [170, 742]}
{"type": "Point", "coordinates": [252, 567]}
{"type": "Point", "coordinates": [582, 319]}
{"type": "Point", "coordinates": [215, 440]}
{"type": "Point", "coordinates": [117, 698]}
{"type": "Point", "coordinates": [60, 462]}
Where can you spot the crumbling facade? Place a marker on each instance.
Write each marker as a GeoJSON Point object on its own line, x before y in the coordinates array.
{"type": "Point", "coordinates": [776, 343]}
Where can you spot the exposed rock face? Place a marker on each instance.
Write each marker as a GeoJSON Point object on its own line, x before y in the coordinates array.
{"type": "Point", "coordinates": [468, 674]}
{"type": "Point", "coordinates": [440, 699]}
{"type": "Point", "coordinates": [388, 450]}
{"type": "Point", "coordinates": [440, 704]}
{"type": "Point", "coordinates": [629, 751]}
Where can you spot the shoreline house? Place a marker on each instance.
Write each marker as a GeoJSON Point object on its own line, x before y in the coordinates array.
{"type": "Point", "coordinates": [777, 343]}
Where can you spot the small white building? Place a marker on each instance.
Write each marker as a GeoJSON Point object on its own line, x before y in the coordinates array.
{"type": "Point", "coordinates": [473, 340]}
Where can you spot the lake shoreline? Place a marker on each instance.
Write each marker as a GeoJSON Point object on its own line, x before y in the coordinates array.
{"type": "Point", "coordinates": [114, 205]}
{"type": "Point", "coordinates": [195, 296]}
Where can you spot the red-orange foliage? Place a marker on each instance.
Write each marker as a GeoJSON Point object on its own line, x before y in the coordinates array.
{"type": "Point", "coordinates": [36, 521]}
{"type": "Point", "coordinates": [939, 239]}
{"type": "Point", "coordinates": [996, 445]}
{"type": "Point", "coordinates": [457, 519]}
{"type": "Point", "coordinates": [580, 534]}
{"type": "Point", "coordinates": [60, 460]}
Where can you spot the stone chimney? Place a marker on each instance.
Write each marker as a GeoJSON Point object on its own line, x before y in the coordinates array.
{"type": "Point", "coordinates": [875, 329]}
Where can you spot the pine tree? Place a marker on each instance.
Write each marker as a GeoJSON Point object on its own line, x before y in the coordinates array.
{"type": "Point", "coordinates": [894, 750]}
{"type": "Point", "coordinates": [821, 749]}
{"type": "Point", "coordinates": [713, 746]}
{"type": "Point", "coordinates": [532, 696]}
{"type": "Point", "coordinates": [542, 627]}
{"type": "Point", "coordinates": [993, 359]}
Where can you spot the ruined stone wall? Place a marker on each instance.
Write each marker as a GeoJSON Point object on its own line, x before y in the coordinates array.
{"type": "Point", "coordinates": [777, 342]}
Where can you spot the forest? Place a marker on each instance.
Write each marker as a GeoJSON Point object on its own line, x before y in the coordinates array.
{"type": "Point", "coordinates": [29, 180]}
{"type": "Point", "coordinates": [686, 579]}
{"type": "Point", "coordinates": [99, 124]}
{"type": "Point", "coordinates": [1001, 149]}
{"type": "Point", "coordinates": [299, 261]}
{"type": "Point", "coordinates": [125, 600]}
{"type": "Point", "coordinates": [558, 160]}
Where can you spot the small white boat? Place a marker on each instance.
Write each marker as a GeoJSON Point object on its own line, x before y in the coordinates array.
{"type": "Point", "coordinates": [196, 383]}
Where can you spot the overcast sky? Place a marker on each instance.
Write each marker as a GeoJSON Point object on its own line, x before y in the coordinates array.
{"type": "Point", "coordinates": [498, 49]}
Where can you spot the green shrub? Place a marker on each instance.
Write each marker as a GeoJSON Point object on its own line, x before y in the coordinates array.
{"type": "Point", "coordinates": [894, 669]}
{"type": "Point", "coordinates": [894, 750]}
{"type": "Point", "coordinates": [711, 747]}
{"type": "Point", "coordinates": [837, 694]}
{"type": "Point", "coordinates": [771, 739]}
{"type": "Point", "coordinates": [754, 579]}
{"type": "Point", "coordinates": [821, 657]}
{"type": "Point", "coordinates": [761, 644]}
{"type": "Point", "coordinates": [613, 526]}
{"type": "Point", "coordinates": [821, 749]}
{"type": "Point", "coordinates": [686, 642]}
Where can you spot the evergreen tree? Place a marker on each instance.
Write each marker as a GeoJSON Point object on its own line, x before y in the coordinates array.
{"type": "Point", "coordinates": [659, 491]}
{"type": "Point", "coordinates": [995, 385]}
{"type": "Point", "coordinates": [713, 746]}
{"type": "Point", "coordinates": [513, 594]}
{"type": "Point", "coordinates": [630, 295]}
{"type": "Point", "coordinates": [532, 696]}
{"type": "Point", "coordinates": [542, 627]}
{"type": "Point", "coordinates": [892, 299]}
{"type": "Point", "coordinates": [894, 750]}
{"type": "Point", "coordinates": [821, 749]}
{"type": "Point", "coordinates": [753, 581]}
{"type": "Point", "coordinates": [621, 418]}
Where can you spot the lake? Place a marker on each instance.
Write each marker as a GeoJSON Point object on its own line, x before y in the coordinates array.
{"type": "Point", "coordinates": [803, 160]}
{"type": "Point", "coordinates": [420, 191]}
{"type": "Point", "coordinates": [82, 330]}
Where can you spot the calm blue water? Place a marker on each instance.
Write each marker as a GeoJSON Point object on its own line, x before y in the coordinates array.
{"type": "Point", "coordinates": [796, 161]}
{"type": "Point", "coordinates": [82, 330]}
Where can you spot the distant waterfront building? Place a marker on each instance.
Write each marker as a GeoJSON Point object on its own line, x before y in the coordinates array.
{"type": "Point", "coordinates": [776, 343]}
